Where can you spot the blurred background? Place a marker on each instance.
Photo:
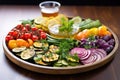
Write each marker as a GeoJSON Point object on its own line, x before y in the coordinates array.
{"type": "Point", "coordinates": [63, 2]}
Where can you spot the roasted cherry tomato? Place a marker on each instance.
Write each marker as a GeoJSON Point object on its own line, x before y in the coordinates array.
{"type": "Point", "coordinates": [40, 30]}
{"type": "Point", "coordinates": [21, 36]}
{"type": "Point", "coordinates": [24, 29]}
{"type": "Point", "coordinates": [15, 34]}
{"type": "Point", "coordinates": [34, 28]}
{"type": "Point", "coordinates": [8, 37]}
{"type": "Point", "coordinates": [43, 35]}
{"type": "Point", "coordinates": [27, 36]}
{"type": "Point", "coordinates": [34, 38]}
{"type": "Point", "coordinates": [28, 26]}
{"type": "Point", "coordinates": [12, 44]}
{"type": "Point", "coordinates": [11, 32]}
{"type": "Point", "coordinates": [19, 26]}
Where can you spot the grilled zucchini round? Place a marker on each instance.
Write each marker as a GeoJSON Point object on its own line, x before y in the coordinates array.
{"type": "Point", "coordinates": [18, 49]}
{"type": "Point", "coordinates": [50, 57]}
{"type": "Point", "coordinates": [27, 54]}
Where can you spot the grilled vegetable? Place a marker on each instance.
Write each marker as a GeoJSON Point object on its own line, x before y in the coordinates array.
{"type": "Point", "coordinates": [38, 60]}
{"type": "Point", "coordinates": [50, 57]}
{"type": "Point", "coordinates": [37, 49]}
{"type": "Point", "coordinates": [53, 48]}
{"type": "Point", "coordinates": [61, 63]}
{"type": "Point", "coordinates": [40, 45]}
{"type": "Point", "coordinates": [40, 52]}
{"type": "Point", "coordinates": [73, 58]}
{"type": "Point", "coordinates": [86, 21]}
{"type": "Point", "coordinates": [92, 24]}
{"type": "Point", "coordinates": [27, 54]}
{"type": "Point", "coordinates": [37, 44]}
{"type": "Point", "coordinates": [18, 49]}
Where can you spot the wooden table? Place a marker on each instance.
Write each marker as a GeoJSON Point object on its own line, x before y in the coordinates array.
{"type": "Point", "coordinates": [9, 15]}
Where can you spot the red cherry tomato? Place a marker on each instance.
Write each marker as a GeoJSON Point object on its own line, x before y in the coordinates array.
{"type": "Point", "coordinates": [19, 26]}
{"type": "Point", "coordinates": [15, 34]}
{"type": "Point", "coordinates": [34, 38]}
{"type": "Point", "coordinates": [11, 32]}
{"type": "Point", "coordinates": [40, 30]}
{"type": "Point", "coordinates": [8, 37]}
{"type": "Point", "coordinates": [43, 35]}
{"type": "Point", "coordinates": [24, 29]}
{"type": "Point", "coordinates": [28, 26]}
{"type": "Point", "coordinates": [27, 36]}
{"type": "Point", "coordinates": [34, 28]}
{"type": "Point", "coordinates": [21, 36]}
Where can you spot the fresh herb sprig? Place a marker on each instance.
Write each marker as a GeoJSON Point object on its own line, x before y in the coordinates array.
{"type": "Point", "coordinates": [65, 46]}
{"type": "Point", "coordinates": [66, 25]}
{"type": "Point", "coordinates": [28, 21]}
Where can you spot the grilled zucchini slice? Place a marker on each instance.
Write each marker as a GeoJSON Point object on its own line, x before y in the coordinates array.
{"type": "Point", "coordinates": [40, 45]}
{"type": "Point", "coordinates": [37, 45]}
{"type": "Point", "coordinates": [27, 54]}
{"type": "Point", "coordinates": [61, 63]}
{"type": "Point", "coordinates": [18, 49]}
{"type": "Point", "coordinates": [50, 57]}
{"type": "Point", "coordinates": [53, 49]}
{"type": "Point", "coordinates": [38, 60]}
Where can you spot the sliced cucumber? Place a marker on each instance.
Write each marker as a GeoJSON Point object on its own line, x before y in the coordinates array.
{"type": "Point", "coordinates": [18, 49]}
{"type": "Point", "coordinates": [27, 54]}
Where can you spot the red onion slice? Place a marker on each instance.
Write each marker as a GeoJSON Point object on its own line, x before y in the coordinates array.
{"type": "Point", "coordinates": [86, 55]}
{"type": "Point", "coordinates": [103, 52]}
{"type": "Point", "coordinates": [91, 59]}
{"type": "Point", "coordinates": [79, 51]}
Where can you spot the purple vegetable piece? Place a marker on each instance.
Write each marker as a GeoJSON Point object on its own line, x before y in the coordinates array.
{"type": "Point", "coordinates": [106, 38]}
{"type": "Point", "coordinates": [111, 42]}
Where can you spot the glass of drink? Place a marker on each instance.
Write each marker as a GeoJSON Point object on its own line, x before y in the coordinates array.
{"type": "Point", "coordinates": [49, 8]}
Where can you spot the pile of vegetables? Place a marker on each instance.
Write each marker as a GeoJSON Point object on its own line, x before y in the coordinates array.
{"type": "Point", "coordinates": [87, 41]}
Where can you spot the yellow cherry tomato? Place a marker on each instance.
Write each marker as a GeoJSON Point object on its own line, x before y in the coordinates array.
{"type": "Point", "coordinates": [30, 41]}
{"type": "Point", "coordinates": [22, 42]}
{"type": "Point", "coordinates": [12, 44]}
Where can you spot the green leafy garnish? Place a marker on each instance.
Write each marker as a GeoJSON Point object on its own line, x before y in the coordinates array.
{"type": "Point", "coordinates": [28, 21]}
{"type": "Point", "coordinates": [64, 48]}
{"type": "Point", "coordinates": [91, 38]}
{"type": "Point", "coordinates": [66, 25]}
{"type": "Point", "coordinates": [87, 46]}
{"type": "Point", "coordinates": [73, 58]}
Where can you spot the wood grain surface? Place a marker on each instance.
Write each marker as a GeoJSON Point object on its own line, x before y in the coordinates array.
{"type": "Point", "coordinates": [10, 15]}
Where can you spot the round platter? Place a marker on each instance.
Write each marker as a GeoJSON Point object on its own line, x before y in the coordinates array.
{"type": "Point", "coordinates": [61, 70]}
